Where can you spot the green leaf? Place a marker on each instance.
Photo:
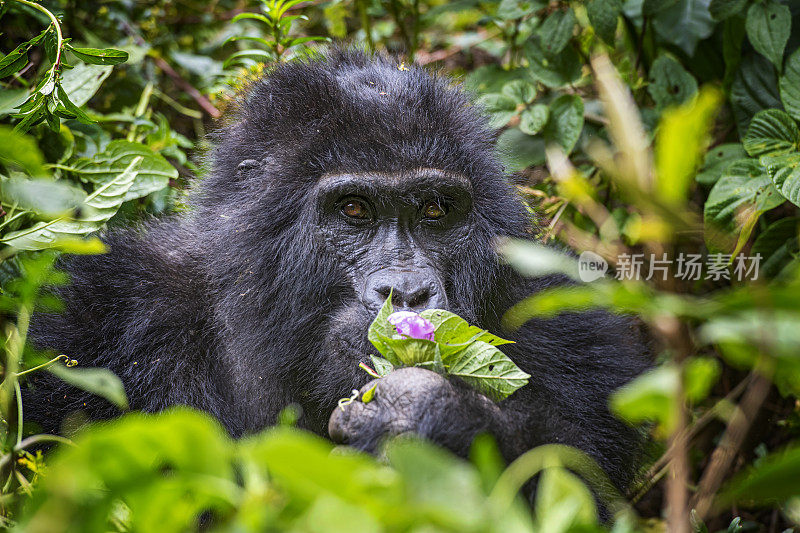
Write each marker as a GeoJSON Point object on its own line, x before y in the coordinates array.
{"type": "Point", "coordinates": [773, 480]}
{"type": "Point", "coordinates": [521, 91]}
{"type": "Point", "coordinates": [563, 503]}
{"type": "Point", "coordinates": [381, 365]}
{"type": "Point", "coordinates": [723, 9]}
{"type": "Point", "coordinates": [381, 329]}
{"type": "Point", "coordinates": [771, 132]}
{"type": "Point", "coordinates": [556, 31]}
{"type": "Point", "coordinates": [489, 370]}
{"type": "Point", "coordinates": [71, 108]}
{"type": "Point", "coordinates": [14, 60]}
{"type": "Point", "coordinates": [302, 40]}
{"type": "Point", "coordinates": [153, 174]}
{"type": "Point", "coordinates": [534, 118]}
{"type": "Point", "coordinates": [184, 456]}
{"type": "Point", "coordinates": [99, 381]}
{"type": "Point", "coordinates": [649, 397]}
{"type": "Point", "coordinates": [554, 72]}
{"type": "Point", "coordinates": [566, 121]}
{"type": "Point", "coordinates": [10, 99]}
{"type": "Point", "coordinates": [717, 160]}
{"type": "Point", "coordinates": [777, 245]}
{"type": "Point", "coordinates": [533, 259]}
{"type": "Point", "coordinates": [790, 85]}
{"type": "Point", "coordinates": [699, 376]}
{"type": "Point", "coordinates": [684, 24]}
{"type": "Point", "coordinates": [516, 9]}
{"type": "Point", "coordinates": [651, 7]}
{"type": "Point", "coordinates": [733, 33]}
{"type": "Point", "coordinates": [768, 26]}
{"type": "Point", "coordinates": [369, 395]}
{"type": "Point", "coordinates": [775, 332]}
{"type": "Point", "coordinates": [253, 16]}
{"type": "Point", "coordinates": [604, 16]}
{"type": "Point", "coordinates": [446, 491]}
{"type": "Point", "coordinates": [42, 196]}
{"type": "Point", "coordinates": [670, 83]}
{"type": "Point", "coordinates": [785, 172]}
{"type": "Point", "coordinates": [499, 107]}
{"type": "Point", "coordinates": [744, 189]}
{"type": "Point", "coordinates": [82, 82]}
{"type": "Point", "coordinates": [254, 54]}
{"type": "Point", "coordinates": [680, 142]}
{"type": "Point", "coordinates": [30, 120]}
{"type": "Point", "coordinates": [408, 351]}
{"type": "Point", "coordinates": [21, 150]}
{"type": "Point", "coordinates": [97, 56]}
{"type": "Point", "coordinates": [453, 333]}
{"type": "Point", "coordinates": [103, 204]}
{"type": "Point", "coordinates": [492, 78]}
{"type": "Point", "coordinates": [754, 88]}
{"type": "Point", "coordinates": [518, 150]}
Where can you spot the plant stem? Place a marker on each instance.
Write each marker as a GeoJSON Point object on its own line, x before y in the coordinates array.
{"type": "Point", "coordinates": [640, 43]}
{"type": "Point", "coordinates": [43, 365]}
{"type": "Point", "coordinates": [56, 25]}
{"type": "Point", "coordinates": [729, 444]}
{"type": "Point", "coordinates": [394, 8]}
{"type": "Point", "coordinates": [33, 439]}
{"type": "Point", "coordinates": [141, 108]}
{"type": "Point", "coordinates": [19, 411]}
{"type": "Point", "coordinates": [658, 468]}
{"type": "Point", "coordinates": [366, 23]}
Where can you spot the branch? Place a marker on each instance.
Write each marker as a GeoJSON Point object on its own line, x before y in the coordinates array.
{"type": "Point", "coordinates": [165, 67]}
{"type": "Point", "coordinates": [188, 88]}
{"type": "Point", "coordinates": [730, 443]}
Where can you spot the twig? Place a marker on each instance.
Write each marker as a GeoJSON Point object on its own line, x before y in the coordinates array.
{"type": "Point", "coordinates": [729, 445]}
{"type": "Point", "coordinates": [165, 67]}
{"type": "Point", "coordinates": [676, 334]}
{"type": "Point", "coordinates": [640, 43]}
{"type": "Point", "coordinates": [394, 9]}
{"type": "Point", "coordinates": [423, 58]}
{"type": "Point", "coordinates": [187, 87]}
{"type": "Point", "coordinates": [677, 493]}
{"type": "Point", "coordinates": [654, 473]}
{"type": "Point", "coordinates": [366, 24]}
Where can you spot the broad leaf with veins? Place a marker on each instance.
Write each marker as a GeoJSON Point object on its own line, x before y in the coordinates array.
{"type": "Point", "coordinates": [458, 349]}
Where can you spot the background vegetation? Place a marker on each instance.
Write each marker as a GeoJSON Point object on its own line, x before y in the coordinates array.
{"type": "Point", "coordinates": [633, 127]}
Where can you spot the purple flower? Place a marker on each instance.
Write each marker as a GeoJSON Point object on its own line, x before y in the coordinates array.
{"type": "Point", "coordinates": [412, 325]}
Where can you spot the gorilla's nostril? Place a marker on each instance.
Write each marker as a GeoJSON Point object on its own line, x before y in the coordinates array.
{"type": "Point", "coordinates": [384, 291]}
{"type": "Point", "coordinates": [397, 299]}
{"type": "Point", "coordinates": [411, 290]}
{"type": "Point", "coordinates": [419, 299]}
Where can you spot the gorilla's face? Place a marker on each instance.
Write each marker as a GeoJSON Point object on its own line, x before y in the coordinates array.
{"type": "Point", "coordinates": [393, 232]}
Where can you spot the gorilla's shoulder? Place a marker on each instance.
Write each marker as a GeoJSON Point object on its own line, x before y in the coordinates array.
{"type": "Point", "coordinates": [156, 264]}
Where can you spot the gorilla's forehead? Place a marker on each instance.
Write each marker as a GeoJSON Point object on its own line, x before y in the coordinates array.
{"type": "Point", "coordinates": [412, 179]}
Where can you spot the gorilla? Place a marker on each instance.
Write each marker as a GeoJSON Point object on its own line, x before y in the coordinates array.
{"type": "Point", "coordinates": [337, 179]}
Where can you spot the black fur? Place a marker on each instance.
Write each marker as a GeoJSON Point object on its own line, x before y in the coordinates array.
{"type": "Point", "coordinates": [239, 307]}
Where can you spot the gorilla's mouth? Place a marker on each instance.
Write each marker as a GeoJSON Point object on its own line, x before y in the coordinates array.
{"type": "Point", "coordinates": [347, 333]}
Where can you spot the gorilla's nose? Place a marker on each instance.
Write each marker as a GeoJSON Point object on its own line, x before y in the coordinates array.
{"type": "Point", "coordinates": [411, 290]}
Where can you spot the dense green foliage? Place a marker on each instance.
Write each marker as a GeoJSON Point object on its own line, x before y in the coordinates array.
{"type": "Point", "coordinates": [660, 135]}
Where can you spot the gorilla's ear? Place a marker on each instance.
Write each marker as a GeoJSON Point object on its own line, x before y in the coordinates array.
{"type": "Point", "coordinates": [246, 167]}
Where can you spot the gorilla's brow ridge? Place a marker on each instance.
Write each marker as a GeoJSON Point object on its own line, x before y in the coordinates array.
{"type": "Point", "coordinates": [396, 178]}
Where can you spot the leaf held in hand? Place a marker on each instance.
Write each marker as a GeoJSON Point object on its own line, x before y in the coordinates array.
{"type": "Point", "coordinates": [457, 349]}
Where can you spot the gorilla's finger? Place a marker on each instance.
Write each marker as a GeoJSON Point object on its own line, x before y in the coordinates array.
{"type": "Point", "coordinates": [343, 421]}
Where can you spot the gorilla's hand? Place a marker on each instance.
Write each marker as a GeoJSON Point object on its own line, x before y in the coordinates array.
{"type": "Point", "coordinates": [415, 400]}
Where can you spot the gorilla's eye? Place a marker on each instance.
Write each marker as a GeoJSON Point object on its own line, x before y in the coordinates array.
{"type": "Point", "coordinates": [354, 208]}
{"type": "Point", "coordinates": [433, 211]}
